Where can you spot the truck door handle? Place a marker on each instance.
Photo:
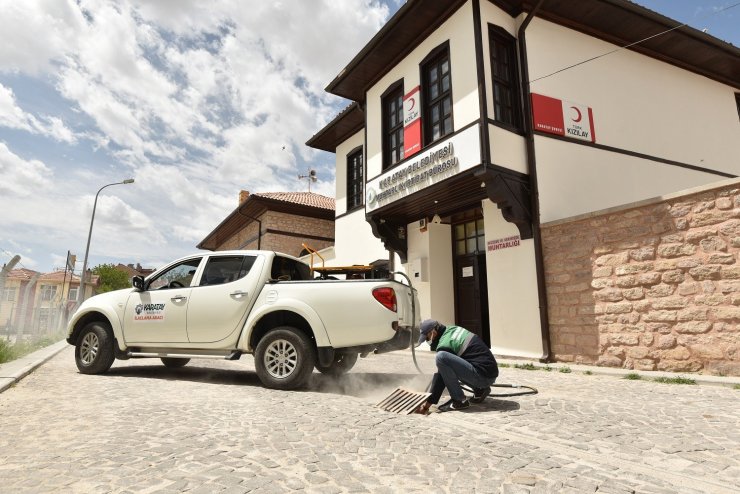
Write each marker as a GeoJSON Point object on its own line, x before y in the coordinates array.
{"type": "Point", "coordinates": [179, 298]}
{"type": "Point", "coordinates": [239, 293]}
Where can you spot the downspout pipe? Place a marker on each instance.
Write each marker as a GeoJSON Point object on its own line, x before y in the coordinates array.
{"type": "Point", "coordinates": [259, 227]}
{"type": "Point", "coordinates": [534, 188]}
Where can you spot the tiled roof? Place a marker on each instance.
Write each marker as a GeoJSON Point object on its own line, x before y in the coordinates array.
{"type": "Point", "coordinates": [303, 198]}
{"type": "Point", "coordinates": [58, 276]}
{"type": "Point", "coordinates": [22, 274]}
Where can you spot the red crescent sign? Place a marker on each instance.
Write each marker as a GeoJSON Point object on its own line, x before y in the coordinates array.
{"type": "Point", "coordinates": [577, 119]}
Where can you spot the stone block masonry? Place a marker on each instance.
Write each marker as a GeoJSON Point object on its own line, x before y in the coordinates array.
{"type": "Point", "coordinates": [650, 286]}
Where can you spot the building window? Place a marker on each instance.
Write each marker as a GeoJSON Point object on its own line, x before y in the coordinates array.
{"type": "Point", "coordinates": [72, 295]}
{"type": "Point", "coordinates": [48, 292]}
{"type": "Point", "coordinates": [8, 295]}
{"type": "Point", "coordinates": [437, 94]}
{"type": "Point", "coordinates": [470, 237]}
{"type": "Point", "coordinates": [737, 102]}
{"type": "Point", "coordinates": [393, 125]}
{"type": "Point", "coordinates": [354, 180]}
{"type": "Point", "coordinates": [505, 76]}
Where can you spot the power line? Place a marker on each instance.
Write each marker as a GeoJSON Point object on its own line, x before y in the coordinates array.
{"type": "Point", "coordinates": [631, 44]}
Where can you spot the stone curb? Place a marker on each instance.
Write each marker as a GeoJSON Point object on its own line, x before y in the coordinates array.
{"type": "Point", "coordinates": [423, 353]}
{"type": "Point", "coordinates": [612, 371]}
{"type": "Point", "coordinates": [15, 370]}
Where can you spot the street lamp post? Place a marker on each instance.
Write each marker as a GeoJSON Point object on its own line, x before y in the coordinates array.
{"type": "Point", "coordinates": [81, 295]}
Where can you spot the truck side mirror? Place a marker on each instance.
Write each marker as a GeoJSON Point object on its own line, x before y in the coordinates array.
{"type": "Point", "coordinates": [138, 283]}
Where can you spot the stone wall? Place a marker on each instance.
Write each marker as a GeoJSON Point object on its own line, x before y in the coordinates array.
{"type": "Point", "coordinates": [652, 286]}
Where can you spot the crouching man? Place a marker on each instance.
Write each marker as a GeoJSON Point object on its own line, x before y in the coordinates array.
{"type": "Point", "coordinates": [462, 357]}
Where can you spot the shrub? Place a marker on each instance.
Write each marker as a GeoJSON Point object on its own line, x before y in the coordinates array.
{"type": "Point", "coordinates": [675, 380]}
{"type": "Point", "coordinates": [633, 376]}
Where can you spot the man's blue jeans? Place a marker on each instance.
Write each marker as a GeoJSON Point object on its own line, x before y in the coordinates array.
{"type": "Point", "coordinates": [454, 370]}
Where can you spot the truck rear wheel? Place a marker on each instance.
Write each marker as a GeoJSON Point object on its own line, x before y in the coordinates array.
{"type": "Point", "coordinates": [284, 358]}
{"type": "Point", "coordinates": [342, 364]}
{"type": "Point", "coordinates": [94, 348]}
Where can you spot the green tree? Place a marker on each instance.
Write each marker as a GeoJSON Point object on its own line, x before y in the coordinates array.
{"type": "Point", "coordinates": [111, 278]}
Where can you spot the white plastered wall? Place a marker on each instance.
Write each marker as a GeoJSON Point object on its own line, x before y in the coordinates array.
{"type": "Point", "coordinates": [458, 29]}
{"type": "Point", "coordinates": [639, 103]}
{"type": "Point", "coordinates": [437, 295]}
{"type": "Point", "coordinates": [579, 179]}
{"type": "Point", "coordinates": [513, 303]}
{"type": "Point", "coordinates": [354, 242]}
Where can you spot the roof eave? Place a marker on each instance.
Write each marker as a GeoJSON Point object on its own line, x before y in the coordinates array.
{"type": "Point", "coordinates": [364, 69]}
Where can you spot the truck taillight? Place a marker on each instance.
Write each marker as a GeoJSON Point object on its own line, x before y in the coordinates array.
{"type": "Point", "coordinates": [387, 297]}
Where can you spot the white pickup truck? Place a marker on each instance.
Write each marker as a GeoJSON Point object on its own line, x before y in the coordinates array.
{"type": "Point", "coordinates": [225, 304]}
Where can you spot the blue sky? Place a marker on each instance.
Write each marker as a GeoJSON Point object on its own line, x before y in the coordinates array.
{"type": "Point", "coordinates": [195, 100]}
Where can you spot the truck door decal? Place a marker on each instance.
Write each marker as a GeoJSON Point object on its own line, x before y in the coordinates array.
{"type": "Point", "coordinates": [149, 312]}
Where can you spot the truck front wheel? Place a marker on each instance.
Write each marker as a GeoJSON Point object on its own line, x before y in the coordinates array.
{"type": "Point", "coordinates": [342, 364]}
{"type": "Point", "coordinates": [284, 358]}
{"type": "Point", "coordinates": [94, 348]}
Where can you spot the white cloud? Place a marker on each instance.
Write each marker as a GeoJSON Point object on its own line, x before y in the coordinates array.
{"type": "Point", "coordinates": [195, 99]}
{"type": "Point", "coordinates": [12, 116]}
{"type": "Point", "coordinates": [22, 177]}
{"type": "Point", "coordinates": [36, 33]}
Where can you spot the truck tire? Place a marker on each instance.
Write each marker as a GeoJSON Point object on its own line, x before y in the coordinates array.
{"type": "Point", "coordinates": [342, 364]}
{"type": "Point", "coordinates": [174, 362]}
{"type": "Point", "coordinates": [94, 349]}
{"type": "Point", "coordinates": [284, 358]}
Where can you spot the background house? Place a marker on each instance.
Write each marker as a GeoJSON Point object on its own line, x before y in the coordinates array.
{"type": "Point", "coordinates": [279, 221]}
{"type": "Point", "coordinates": [36, 303]}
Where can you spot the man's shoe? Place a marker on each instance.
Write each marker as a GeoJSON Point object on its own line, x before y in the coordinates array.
{"type": "Point", "coordinates": [481, 394]}
{"type": "Point", "coordinates": [454, 405]}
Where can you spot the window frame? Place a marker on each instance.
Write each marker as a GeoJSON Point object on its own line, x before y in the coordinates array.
{"type": "Point", "coordinates": [8, 294]}
{"type": "Point", "coordinates": [355, 184]}
{"type": "Point", "coordinates": [499, 36]}
{"type": "Point", "coordinates": [435, 58]}
{"type": "Point", "coordinates": [48, 292]}
{"type": "Point", "coordinates": [158, 275]}
{"type": "Point", "coordinates": [394, 94]}
{"type": "Point", "coordinates": [245, 263]}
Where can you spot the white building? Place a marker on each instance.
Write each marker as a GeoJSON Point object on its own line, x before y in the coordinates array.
{"type": "Point", "coordinates": [447, 159]}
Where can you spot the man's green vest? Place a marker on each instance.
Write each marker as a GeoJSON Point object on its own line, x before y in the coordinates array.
{"type": "Point", "coordinates": [456, 339]}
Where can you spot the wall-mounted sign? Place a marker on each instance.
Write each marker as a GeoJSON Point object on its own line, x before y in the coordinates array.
{"type": "Point", "coordinates": [411, 123]}
{"type": "Point", "coordinates": [504, 243]}
{"type": "Point", "coordinates": [448, 158]}
{"type": "Point", "coordinates": [467, 271]}
{"type": "Point", "coordinates": [562, 118]}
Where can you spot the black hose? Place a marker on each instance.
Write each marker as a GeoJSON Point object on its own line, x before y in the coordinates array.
{"type": "Point", "coordinates": [413, 320]}
{"type": "Point", "coordinates": [532, 391]}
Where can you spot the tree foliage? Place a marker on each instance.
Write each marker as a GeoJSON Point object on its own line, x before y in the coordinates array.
{"type": "Point", "coordinates": [111, 278]}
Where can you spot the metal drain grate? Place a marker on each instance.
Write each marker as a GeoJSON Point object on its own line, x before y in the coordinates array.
{"type": "Point", "coordinates": [403, 401]}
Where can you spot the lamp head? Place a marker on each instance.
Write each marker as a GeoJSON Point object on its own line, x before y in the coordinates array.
{"type": "Point", "coordinates": [128, 181]}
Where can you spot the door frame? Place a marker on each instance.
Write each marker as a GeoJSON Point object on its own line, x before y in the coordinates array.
{"type": "Point", "coordinates": [480, 273]}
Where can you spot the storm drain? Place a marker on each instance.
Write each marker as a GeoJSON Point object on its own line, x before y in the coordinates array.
{"type": "Point", "coordinates": [403, 401]}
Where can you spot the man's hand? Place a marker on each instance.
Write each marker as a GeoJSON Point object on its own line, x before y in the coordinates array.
{"type": "Point", "coordinates": [424, 408]}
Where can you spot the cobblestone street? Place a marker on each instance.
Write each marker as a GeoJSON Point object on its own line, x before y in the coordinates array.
{"type": "Point", "coordinates": [211, 427]}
